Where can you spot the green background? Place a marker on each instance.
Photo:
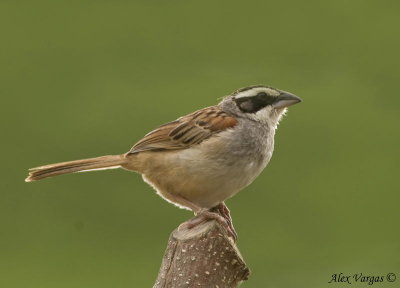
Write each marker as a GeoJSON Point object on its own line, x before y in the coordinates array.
{"type": "Point", "coordinates": [87, 78]}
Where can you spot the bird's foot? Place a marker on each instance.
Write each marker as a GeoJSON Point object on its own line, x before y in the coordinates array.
{"type": "Point", "coordinates": [206, 215]}
{"type": "Point", "coordinates": [224, 211]}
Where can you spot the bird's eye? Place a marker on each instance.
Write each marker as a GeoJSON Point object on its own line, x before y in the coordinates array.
{"type": "Point", "coordinates": [261, 94]}
{"type": "Point", "coordinates": [255, 103]}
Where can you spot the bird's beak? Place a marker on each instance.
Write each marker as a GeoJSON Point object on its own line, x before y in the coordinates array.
{"type": "Point", "coordinates": [285, 99]}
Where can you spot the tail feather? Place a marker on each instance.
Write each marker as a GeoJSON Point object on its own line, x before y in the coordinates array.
{"type": "Point", "coordinates": [98, 163]}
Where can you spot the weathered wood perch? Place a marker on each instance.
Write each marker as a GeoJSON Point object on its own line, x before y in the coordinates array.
{"type": "Point", "coordinates": [204, 256]}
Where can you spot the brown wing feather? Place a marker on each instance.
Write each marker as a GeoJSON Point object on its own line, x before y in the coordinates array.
{"type": "Point", "coordinates": [186, 131]}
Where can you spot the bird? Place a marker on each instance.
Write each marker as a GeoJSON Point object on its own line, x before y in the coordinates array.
{"type": "Point", "coordinates": [200, 160]}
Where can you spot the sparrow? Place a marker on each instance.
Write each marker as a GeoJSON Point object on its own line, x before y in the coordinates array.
{"type": "Point", "coordinates": [200, 160]}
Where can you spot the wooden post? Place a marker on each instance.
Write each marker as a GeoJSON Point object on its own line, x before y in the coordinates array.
{"type": "Point", "coordinates": [204, 256]}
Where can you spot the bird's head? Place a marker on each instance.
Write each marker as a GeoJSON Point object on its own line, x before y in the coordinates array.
{"type": "Point", "coordinates": [259, 103]}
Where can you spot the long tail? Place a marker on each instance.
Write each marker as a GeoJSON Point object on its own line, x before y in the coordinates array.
{"type": "Point", "coordinates": [98, 163]}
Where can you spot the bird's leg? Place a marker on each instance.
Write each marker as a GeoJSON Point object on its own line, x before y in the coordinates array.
{"type": "Point", "coordinates": [224, 211]}
{"type": "Point", "coordinates": [203, 214]}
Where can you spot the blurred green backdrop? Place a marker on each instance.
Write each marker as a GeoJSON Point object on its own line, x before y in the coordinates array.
{"type": "Point", "coordinates": [88, 78]}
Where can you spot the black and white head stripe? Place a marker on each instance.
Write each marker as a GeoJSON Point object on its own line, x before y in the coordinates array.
{"type": "Point", "coordinates": [254, 98]}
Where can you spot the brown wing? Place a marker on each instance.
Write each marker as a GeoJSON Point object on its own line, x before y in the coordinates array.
{"type": "Point", "coordinates": [186, 131]}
